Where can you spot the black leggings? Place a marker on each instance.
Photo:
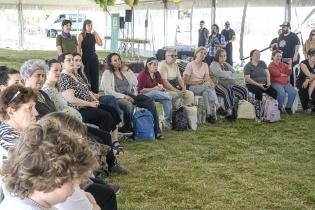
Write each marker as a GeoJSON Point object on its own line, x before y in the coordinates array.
{"type": "Point", "coordinates": [258, 91]}
{"type": "Point", "coordinates": [103, 137]}
{"type": "Point", "coordinates": [91, 70]}
{"type": "Point", "coordinates": [104, 195]}
{"type": "Point", "coordinates": [106, 117]}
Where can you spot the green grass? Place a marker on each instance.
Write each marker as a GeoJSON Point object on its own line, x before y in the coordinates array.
{"type": "Point", "coordinates": [239, 165]}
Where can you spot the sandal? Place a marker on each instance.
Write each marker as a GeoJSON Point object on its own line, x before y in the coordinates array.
{"type": "Point", "coordinates": [117, 146]}
{"type": "Point", "coordinates": [160, 136]}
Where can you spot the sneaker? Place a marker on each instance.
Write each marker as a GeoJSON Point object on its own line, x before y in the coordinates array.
{"type": "Point", "coordinates": [310, 104]}
{"type": "Point", "coordinates": [124, 131]}
{"type": "Point", "coordinates": [115, 188]}
{"type": "Point", "coordinates": [117, 169]}
{"type": "Point", "coordinates": [210, 119]}
{"type": "Point", "coordinates": [221, 111]}
{"type": "Point", "coordinates": [308, 110]}
{"type": "Point", "coordinates": [289, 111]}
{"type": "Point", "coordinates": [117, 146]}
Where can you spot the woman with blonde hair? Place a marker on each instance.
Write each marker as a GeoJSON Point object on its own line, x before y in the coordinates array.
{"type": "Point", "coordinates": [309, 43]}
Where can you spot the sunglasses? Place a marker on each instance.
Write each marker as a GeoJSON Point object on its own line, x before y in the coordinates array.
{"type": "Point", "coordinates": [15, 96]}
{"type": "Point", "coordinates": [173, 56]}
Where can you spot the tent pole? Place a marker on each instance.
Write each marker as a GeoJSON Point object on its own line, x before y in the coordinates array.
{"type": "Point", "coordinates": [287, 11]}
{"type": "Point", "coordinates": [165, 21]}
{"type": "Point", "coordinates": [191, 21]}
{"type": "Point", "coordinates": [213, 11]}
{"type": "Point", "coordinates": [20, 24]}
{"type": "Point", "coordinates": [146, 29]}
{"type": "Point", "coordinates": [242, 31]}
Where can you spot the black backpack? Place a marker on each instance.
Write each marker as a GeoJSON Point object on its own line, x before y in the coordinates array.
{"type": "Point", "coordinates": [180, 119]}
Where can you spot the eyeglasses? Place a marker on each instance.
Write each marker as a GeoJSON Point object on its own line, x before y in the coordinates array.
{"type": "Point", "coordinates": [14, 96]}
{"type": "Point", "coordinates": [173, 56]}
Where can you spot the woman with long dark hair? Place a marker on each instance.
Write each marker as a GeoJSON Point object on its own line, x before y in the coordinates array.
{"type": "Point", "coordinates": [86, 42]}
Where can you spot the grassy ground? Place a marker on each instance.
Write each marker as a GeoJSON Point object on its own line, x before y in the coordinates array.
{"type": "Point", "coordinates": [239, 165]}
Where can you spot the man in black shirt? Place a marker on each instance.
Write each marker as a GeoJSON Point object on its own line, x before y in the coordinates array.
{"type": "Point", "coordinates": [203, 34]}
{"type": "Point", "coordinates": [274, 43]}
{"type": "Point", "coordinates": [229, 35]}
{"type": "Point", "coordinates": [289, 43]}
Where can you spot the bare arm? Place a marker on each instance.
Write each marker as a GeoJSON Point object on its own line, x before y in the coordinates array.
{"type": "Point", "coordinates": [296, 52]}
{"type": "Point", "coordinates": [98, 39]}
{"type": "Point", "coordinates": [268, 78]}
{"type": "Point", "coordinates": [59, 50]}
{"type": "Point", "coordinates": [253, 82]}
{"type": "Point", "coordinates": [70, 98]}
{"type": "Point", "coordinates": [80, 39]}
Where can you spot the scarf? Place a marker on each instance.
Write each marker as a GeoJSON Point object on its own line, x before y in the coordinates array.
{"type": "Point", "coordinates": [66, 36]}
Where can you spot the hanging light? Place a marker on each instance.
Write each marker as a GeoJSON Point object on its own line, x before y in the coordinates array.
{"type": "Point", "coordinates": [176, 1]}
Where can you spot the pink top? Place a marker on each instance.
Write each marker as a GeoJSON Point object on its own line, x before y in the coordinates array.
{"type": "Point", "coordinates": [196, 73]}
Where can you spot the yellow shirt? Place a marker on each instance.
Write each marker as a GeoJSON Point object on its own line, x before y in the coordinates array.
{"type": "Point", "coordinates": [169, 71]}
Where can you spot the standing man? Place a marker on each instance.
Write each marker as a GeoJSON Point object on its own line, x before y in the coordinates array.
{"type": "Point", "coordinates": [229, 35]}
{"type": "Point", "coordinates": [215, 42]}
{"type": "Point", "coordinates": [289, 44]}
{"type": "Point", "coordinates": [274, 43]}
{"type": "Point", "coordinates": [203, 34]}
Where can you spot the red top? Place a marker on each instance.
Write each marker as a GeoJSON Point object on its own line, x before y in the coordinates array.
{"type": "Point", "coordinates": [276, 70]}
{"type": "Point", "coordinates": [145, 81]}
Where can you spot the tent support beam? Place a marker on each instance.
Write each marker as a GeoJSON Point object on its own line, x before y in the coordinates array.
{"type": "Point", "coordinates": [213, 11]}
{"type": "Point", "coordinates": [20, 24]}
{"type": "Point", "coordinates": [242, 30]}
{"type": "Point", "coordinates": [287, 11]}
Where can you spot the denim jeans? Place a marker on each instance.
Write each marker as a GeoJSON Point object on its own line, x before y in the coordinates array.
{"type": "Point", "coordinates": [128, 109]}
{"type": "Point", "coordinates": [281, 93]}
{"type": "Point", "coordinates": [165, 99]}
{"type": "Point", "coordinates": [208, 94]}
{"type": "Point", "coordinates": [110, 101]}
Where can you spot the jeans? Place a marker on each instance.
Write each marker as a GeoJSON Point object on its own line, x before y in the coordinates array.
{"type": "Point", "coordinates": [128, 109]}
{"type": "Point", "coordinates": [281, 93]}
{"type": "Point", "coordinates": [208, 94]}
{"type": "Point", "coordinates": [110, 101]}
{"type": "Point", "coordinates": [165, 99]}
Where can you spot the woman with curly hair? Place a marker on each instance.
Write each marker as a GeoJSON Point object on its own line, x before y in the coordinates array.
{"type": "Point", "coordinates": [45, 166]}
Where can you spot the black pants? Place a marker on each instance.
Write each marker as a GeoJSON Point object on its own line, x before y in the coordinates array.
{"type": "Point", "coordinates": [104, 195]}
{"type": "Point", "coordinates": [91, 70]}
{"type": "Point", "coordinates": [103, 137]}
{"type": "Point", "coordinates": [258, 91]}
{"type": "Point", "coordinates": [229, 53]}
{"type": "Point", "coordinates": [99, 117]}
{"type": "Point", "coordinates": [303, 94]}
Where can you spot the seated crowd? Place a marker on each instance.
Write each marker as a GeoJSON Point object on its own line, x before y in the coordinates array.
{"type": "Point", "coordinates": [78, 127]}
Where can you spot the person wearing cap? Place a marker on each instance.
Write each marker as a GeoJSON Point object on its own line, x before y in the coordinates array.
{"type": "Point", "coordinates": [196, 75]}
{"type": "Point", "coordinates": [150, 84]}
{"type": "Point", "coordinates": [215, 42]}
{"type": "Point", "coordinates": [173, 81]}
{"type": "Point", "coordinates": [289, 44]}
{"type": "Point", "coordinates": [309, 43]}
{"type": "Point", "coordinates": [203, 34]}
{"type": "Point", "coordinates": [229, 35]}
{"type": "Point", "coordinates": [306, 81]}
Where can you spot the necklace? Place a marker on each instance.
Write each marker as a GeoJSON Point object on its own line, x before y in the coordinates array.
{"type": "Point", "coordinates": [38, 205]}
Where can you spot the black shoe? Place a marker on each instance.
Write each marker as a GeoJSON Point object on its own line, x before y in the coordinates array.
{"type": "Point", "coordinates": [211, 119]}
{"type": "Point", "coordinates": [221, 111]}
{"type": "Point", "coordinates": [124, 131]}
{"type": "Point", "coordinates": [310, 104]}
{"type": "Point", "coordinates": [117, 169]}
{"type": "Point", "coordinates": [289, 111]}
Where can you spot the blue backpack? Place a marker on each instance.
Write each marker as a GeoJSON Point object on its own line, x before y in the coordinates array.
{"type": "Point", "coordinates": [143, 125]}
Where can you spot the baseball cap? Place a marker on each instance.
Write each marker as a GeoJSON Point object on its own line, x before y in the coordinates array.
{"type": "Point", "coordinates": [287, 24]}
